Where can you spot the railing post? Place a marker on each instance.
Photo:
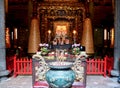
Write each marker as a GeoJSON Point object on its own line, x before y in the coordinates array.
{"type": "Point", "coordinates": [15, 65]}
{"type": "Point", "coordinates": [30, 66]}
{"type": "Point", "coordinates": [105, 65]}
{"type": "Point", "coordinates": [24, 62]}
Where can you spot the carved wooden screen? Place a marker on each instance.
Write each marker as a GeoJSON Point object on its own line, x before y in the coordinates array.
{"type": "Point", "coordinates": [49, 13]}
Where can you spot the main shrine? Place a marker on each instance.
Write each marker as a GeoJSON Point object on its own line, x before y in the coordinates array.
{"type": "Point", "coordinates": [61, 41]}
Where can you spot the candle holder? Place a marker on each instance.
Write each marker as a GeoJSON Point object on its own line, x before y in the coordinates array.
{"type": "Point", "coordinates": [74, 36]}
{"type": "Point", "coordinates": [49, 36]}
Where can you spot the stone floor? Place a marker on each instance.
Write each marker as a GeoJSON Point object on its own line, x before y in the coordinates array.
{"type": "Point", "coordinates": [93, 81]}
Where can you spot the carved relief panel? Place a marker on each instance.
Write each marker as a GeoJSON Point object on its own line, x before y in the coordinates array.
{"type": "Point", "coordinates": [72, 14]}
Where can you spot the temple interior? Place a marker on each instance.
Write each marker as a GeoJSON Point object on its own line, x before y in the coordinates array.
{"type": "Point", "coordinates": [80, 37]}
{"type": "Point", "coordinates": [63, 16]}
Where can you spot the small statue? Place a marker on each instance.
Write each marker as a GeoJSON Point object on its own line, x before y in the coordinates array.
{"type": "Point", "coordinates": [54, 42]}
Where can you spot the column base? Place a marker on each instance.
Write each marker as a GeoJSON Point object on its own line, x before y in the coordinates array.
{"type": "Point", "coordinates": [3, 75]}
{"type": "Point", "coordinates": [115, 73]}
{"type": "Point", "coordinates": [119, 79]}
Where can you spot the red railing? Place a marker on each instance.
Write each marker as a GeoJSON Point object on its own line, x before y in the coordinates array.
{"type": "Point", "coordinates": [10, 63]}
{"type": "Point", "coordinates": [96, 66]}
{"type": "Point", "coordinates": [22, 66]}
{"type": "Point", "coordinates": [110, 63]}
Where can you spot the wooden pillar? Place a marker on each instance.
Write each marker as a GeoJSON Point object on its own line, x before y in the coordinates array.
{"type": "Point", "coordinates": [91, 9]}
{"type": "Point", "coordinates": [6, 6]}
{"type": "Point", "coordinates": [30, 12]}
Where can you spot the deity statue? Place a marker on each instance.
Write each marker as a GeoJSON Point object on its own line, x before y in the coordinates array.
{"type": "Point", "coordinates": [61, 37]}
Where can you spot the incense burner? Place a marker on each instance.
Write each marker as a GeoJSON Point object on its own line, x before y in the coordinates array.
{"type": "Point", "coordinates": [60, 75]}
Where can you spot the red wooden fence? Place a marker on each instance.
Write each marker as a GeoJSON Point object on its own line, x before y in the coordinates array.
{"type": "Point", "coordinates": [10, 63]}
{"type": "Point", "coordinates": [96, 66]}
{"type": "Point", "coordinates": [22, 66]}
{"type": "Point", "coordinates": [109, 66]}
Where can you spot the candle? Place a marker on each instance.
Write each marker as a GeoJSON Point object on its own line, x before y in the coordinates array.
{"type": "Point", "coordinates": [105, 34]}
{"type": "Point", "coordinates": [74, 32]}
{"type": "Point", "coordinates": [112, 37]}
{"type": "Point", "coordinates": [12, 35]}
{"type": "Point", "coordinates": [15, 33]}
{"type": "Point", "coordinates": [6, 6]}
{"type": "Point", "coordinates": [49, 37]}
{"type": "Point", "coordinates": [74, 35]}
{"type": "Point", "coordinates": [49, 31]}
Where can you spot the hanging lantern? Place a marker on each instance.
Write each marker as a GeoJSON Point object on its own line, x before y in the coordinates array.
{"type": "Point", "coordinates": [6, 6]}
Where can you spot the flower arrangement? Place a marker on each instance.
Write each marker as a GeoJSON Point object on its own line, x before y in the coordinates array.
{"type": "Point", "coordinates": [76, 49]}
{"type": "Point", "coordinates": [44, 48]}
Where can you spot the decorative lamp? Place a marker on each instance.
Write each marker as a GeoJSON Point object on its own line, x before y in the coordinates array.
{"type": "Point", "coordinates": [87, 37]}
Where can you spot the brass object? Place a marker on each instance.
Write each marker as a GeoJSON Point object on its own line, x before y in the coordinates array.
{"type": "Point", "coordinates": [87, 37]}
{"type": "Point", "coordinates": [34, 36]}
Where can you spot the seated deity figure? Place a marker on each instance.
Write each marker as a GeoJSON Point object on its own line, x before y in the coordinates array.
{"type": "Point", "coordinates": [60, 39]}
{"type": "Point", "coordinates": [61, 36]}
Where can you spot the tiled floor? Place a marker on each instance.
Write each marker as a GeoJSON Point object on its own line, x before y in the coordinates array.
{"type": "Point", "coordinates": [93, 81]}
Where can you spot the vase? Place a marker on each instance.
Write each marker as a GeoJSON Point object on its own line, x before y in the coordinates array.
{"type": "Point", "coordinates": [60, 76]}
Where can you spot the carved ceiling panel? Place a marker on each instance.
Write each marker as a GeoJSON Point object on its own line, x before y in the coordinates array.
{"type": "Point", "coordinates": [62, 10]}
